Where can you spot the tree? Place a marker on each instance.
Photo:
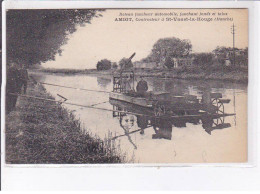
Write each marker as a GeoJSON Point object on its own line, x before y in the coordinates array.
{"type": "Point", "coordinates": [223, 53]}
{"type": "Point", "coordinates": [170, 48]}
{"type": "Point", "coordinates": [35, 36]}
{"type": "Point", "coordinates": [203, 59]}
{"type": "Point", "coordinates": [147, 59]}
{"type": "Point", "coordinates": [104, 65]}
{"type": "Point", "coordinates": [243, 58]}
{"type": "Point", "coordinates": [124, 63]}
{"type": "Point", "coordinates": [169, 63]}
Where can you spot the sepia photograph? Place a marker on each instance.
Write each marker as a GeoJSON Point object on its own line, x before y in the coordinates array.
{"type": "Point", "coordinates": [126, 86]}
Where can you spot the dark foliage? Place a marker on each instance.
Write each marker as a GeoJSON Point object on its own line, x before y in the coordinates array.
{"type": "Point", "coordinates": [203, 59]}
{"type": "Point", "coordinates": [35, 36]}
{"type": "Point", "coordinates": [169, 63]}
{"type": "Point", "coordinates": [223, 53]}
{"type": "Point", "coordinates": [104, 65]}
{"type": "Point", "coordinates": [170, 47]}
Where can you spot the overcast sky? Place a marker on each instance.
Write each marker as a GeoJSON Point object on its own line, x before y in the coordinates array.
{"type": "Point", "coordinates": [106, 38]}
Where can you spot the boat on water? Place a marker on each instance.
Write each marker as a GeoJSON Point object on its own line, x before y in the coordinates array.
{"type": "Point", "coordinates": [163, 103]}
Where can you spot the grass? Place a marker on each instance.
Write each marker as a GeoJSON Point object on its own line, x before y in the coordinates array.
{"type": "Point", "coordinates": [41, 132]}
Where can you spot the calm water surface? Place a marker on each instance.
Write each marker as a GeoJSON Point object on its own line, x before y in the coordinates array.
{"type": "Point", "coordinates": [189, 141]}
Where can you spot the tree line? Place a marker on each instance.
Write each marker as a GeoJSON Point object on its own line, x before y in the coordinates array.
{"type": "Point", "coordinates": [165, 50]}
{"type": "Point", "coordinates": [106, 64]}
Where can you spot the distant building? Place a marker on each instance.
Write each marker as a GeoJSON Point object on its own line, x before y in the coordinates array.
{"type": "Point", "coordinates": [178, 62]}
{"type": "Point", "coordinates": [145, 65]}
{"type": "Point", "coordinates": [227, 62]}
{"type": "Point", "coordinates": [226, 57]}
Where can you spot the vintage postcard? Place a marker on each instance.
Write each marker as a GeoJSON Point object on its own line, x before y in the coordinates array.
{"type": "Point", "coordinates": [138, 86]}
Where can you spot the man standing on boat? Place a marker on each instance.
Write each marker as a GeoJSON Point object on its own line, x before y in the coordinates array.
{"type": "Point", "coordinates": [142, 87]}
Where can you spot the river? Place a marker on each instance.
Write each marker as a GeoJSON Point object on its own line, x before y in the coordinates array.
{"type": "Point", "coordinates": [183, 142]}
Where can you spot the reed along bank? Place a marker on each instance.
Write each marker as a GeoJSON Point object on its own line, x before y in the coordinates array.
{"type": "Point", "coordinates": [44, 132]}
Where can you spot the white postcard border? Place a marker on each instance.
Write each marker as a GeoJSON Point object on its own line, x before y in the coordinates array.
{"type": "Point", "coordinates": [15, 172]}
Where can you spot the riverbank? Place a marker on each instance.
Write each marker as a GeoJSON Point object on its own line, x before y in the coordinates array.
{"type": "Point", "coordinates": [228, 73]}
{"type": "Point", "coordinates": [43, 132]}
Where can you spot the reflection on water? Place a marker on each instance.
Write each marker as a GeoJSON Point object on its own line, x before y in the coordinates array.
{"type": "Point", "coordinates": [153, 140]}
{"type": "Point", "coordinates": [103, 82]}
{"type": "Point", "coordinates": [162, 127]}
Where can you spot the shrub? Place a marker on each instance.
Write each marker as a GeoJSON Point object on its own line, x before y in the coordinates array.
{"type": "Point", "coordinates": [104, 65]}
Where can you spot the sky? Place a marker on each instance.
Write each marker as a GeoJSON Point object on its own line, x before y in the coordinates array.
{"type": "Point", "coordinates": [113, 40]}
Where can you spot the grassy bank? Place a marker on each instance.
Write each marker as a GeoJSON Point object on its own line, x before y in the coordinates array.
{"type": "Point", "coordinates": [41, 132]}
{"type": "Point", "coordinates": [226, 73]}
{"type": "Point", "coordinates": [230, 74]}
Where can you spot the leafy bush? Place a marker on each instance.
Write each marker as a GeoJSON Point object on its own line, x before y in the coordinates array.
{"type": "Point", "coordinates": [203, 59]}
{"type": "Point", "coordinates": [104, 65]}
